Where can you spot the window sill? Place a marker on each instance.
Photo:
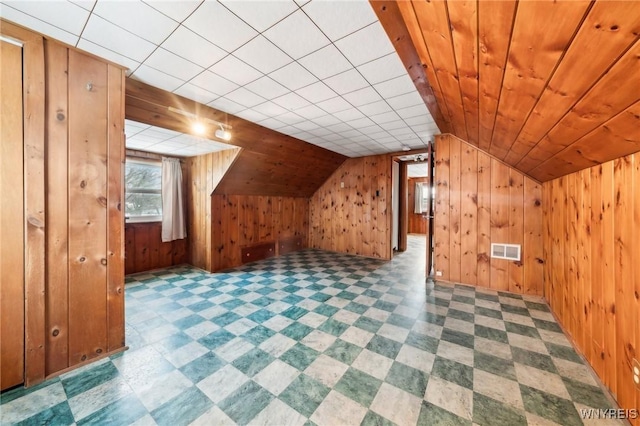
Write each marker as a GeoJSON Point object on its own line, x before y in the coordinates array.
{"type": "Point", "coordinates": [143, 219]}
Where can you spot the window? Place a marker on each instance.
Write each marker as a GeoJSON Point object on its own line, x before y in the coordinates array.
{"type": "Point", "coordinates": [143, 191]}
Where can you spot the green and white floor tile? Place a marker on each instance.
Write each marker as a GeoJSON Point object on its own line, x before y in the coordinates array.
{"type": "Point", "coordinates": [322, 338]}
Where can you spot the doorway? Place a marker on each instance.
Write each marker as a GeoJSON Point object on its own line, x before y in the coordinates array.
{"type": "Point", "coordinates": [414, 204]}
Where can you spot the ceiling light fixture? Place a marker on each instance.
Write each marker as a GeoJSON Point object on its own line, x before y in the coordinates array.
{"type": "Point", "coordinates": [199, 128]}
{"type": "Point", "coordinates": [223, 134]}
{"type": "Point", "coordinates": [406, 148]}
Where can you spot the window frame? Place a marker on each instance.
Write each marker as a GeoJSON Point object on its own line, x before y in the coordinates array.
{"type": "Point", "coordinates": [145, 218]}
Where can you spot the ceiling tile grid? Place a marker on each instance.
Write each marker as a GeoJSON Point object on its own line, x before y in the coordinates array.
{"type": "Point", "coordinates": [323, 71]}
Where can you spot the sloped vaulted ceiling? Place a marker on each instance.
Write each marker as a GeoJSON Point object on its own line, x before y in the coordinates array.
{"type": "Point", "coordinates": [549, 87]}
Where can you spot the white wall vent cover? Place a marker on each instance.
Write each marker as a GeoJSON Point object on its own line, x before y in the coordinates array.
{"type": "Point", "coordinates": [505, 251]}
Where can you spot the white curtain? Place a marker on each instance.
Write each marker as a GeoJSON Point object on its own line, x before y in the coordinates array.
{"type": "Point", "coordinates": [173, 225]}
{"type": "Point", "coordinates": [418, 199]}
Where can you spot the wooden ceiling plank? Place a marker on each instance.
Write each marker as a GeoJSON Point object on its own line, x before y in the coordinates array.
{"type": "Point", "coordinates": [614, 92]}
{"type": "Point", "coordinates": [463, 16]}
{"type": "Point", "coordinates": [541, 34]}
{"type": "Point", "coordinates": [400, 24]}
{"type": "Point", "coordinates": [434, 24]}
{"type": "Point", "coordinates": [495, 24]}
{"type": "Point", "coordinates": [608, 31]}
{"type": "Point", "coordinates": [618, 137]}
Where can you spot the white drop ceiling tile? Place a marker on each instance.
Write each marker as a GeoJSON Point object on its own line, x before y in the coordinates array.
{"type": "Point", "coordinates": [195, 93]}
{"type": "Point", "coordinates": [320, 132]}
{"type": "Point", "coordinates": [302, 2]}
{"type": "Point", "coordinates": [361, 123]}
{"type": "Point", "coordinates": [310, 112]}
{"type": "Point", "coordinates": [14, 15]}
{"type": "Point", "coordinates": [377, 135]}
{"type": "Point", "coordinates": [419, 120]}
{"type": "Point", "coordinates": [316, 92]}
{"type": "Point", "coordinates": [191, 46]}
{"type": "Point", "coordinates": [375, 108]}
{"type": "Point", "coordinates": [430, 128]}
{"type": "Point", "coordinates": [307, 126]}
{"type": "Point", "coordinates": [267, 88]}
{"type": "Point", "coordinates": [340, 127]}
{"type": "Point", "coordinates": [269, 109]}
{"type": "Point", "coordinates": [109, 55]}
{"type": "Point", "coordinates": [325, 62]}
{"type": "Point", "coordinates": [64, 15]}
{"type": "Point", "coordinates": [350, 134]}
{"type": "Point", "coordinates": [272, 123]}
{"type": "Point", "coordinates": [334, 105]}
{"type": "Point", "coordinates": [261, 14]}
{"type": "Point", "coordinates": [362, 96]}
{"type": "Point", "coordinates": [217, 24]}
{"type": "Point", "coordinates": [385, 140]}
{"type": "Point", "coordinates": [112, 37]}
{"type": "Point", "coordinates": [174, 9]}
{"type": "Point", "coordinates": [251, 115]}
{"type": "Point", "coordinates": [339, 18]}
{"type": "Point", "coordinates": [173, 64]}
{"type": "Point", "coordinates": [293, 76]}
{"type": "Point", "coordinates": [326, 120]}
{"type": "Point", "coordinates": [349, 114]}
{"type": "Point", "coordinates": [290, 118]}
{"type": "Point", "coordinates": [135, 143]}
{"type": "Point", "coordinates": [138, 18]}
{"type": "Point", "coordinates": [383, 69]}
{"type": "Point", "coordinates": [226, 105]}
{"type": "Point", "coordinates": [213, 83]}
{"type": "Point", "coordinates": [346, 82]}
{"type": "Point", "coordinates": [143, 137]}
{"type": "Point", "coordinates": [333, 137]}
{"type": "Point", "coordinates": [397, 124]}
{"type": "Point", "coordinates": [288, 130]}
{"type": "Point", "coordinates": [414, 111]}
{"type": "Point", "coordinates": [291, 101]}
{"type": "Point", "coordinates": [401, 132]}
{"type": "Point", "coordinates": [85, 4]}
{"type": "Point", "coordinates": [360, 138]}
{"type": "Point", "coordinates": [245, 97]}
{"type": "Point", "coordinates": [233, 69]}
{"type": "Point", "coordinates": [157, 78]}
{"type": "Point", "coordinates": [303, 136]}
{"type": "Point", "coordinates": [395, 87]}
{"type": "Point", "coordinates": [297, 35]}
{"type": "Point", "coordinates": [366, 45]}
{"type": "Point", "coordinates": [263, 55]}
{"type": "Point", "coordinates": [371, 129]}
{"type": "Point", "coordinates": [406, 100]}
{"type": "Point", "coordinates": [132, 128]}
{"type": "Point", "coordinates": [384, 118]}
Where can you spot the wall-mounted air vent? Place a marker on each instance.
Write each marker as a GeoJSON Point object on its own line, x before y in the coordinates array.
{"type": "Point", "coordinates": [506, 251]}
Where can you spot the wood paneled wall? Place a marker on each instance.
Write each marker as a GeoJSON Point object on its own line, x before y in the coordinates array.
{"type": "Point", "coordinates": [145, 250]}
{"type": "Point", "coordinates": [592, 275]}
{"type": "Point", "coordinates": [202, 174]}
{"type": "Point", "coordinates": [351, 211]}
{"type": "Point", "coordinates": [240, 221]}
{"type": "Point", "coordinates": [536, 84]}
{"type": "Point", "coordinates": [479, 201]}
{"type": "Point", "coordinates": [417, 223]}
{"type": "Point", "coordinates": [74, 226]}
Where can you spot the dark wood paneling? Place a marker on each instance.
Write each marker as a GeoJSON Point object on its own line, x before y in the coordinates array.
{"type": "Point", "coordinates": [270, 164]}
{"type": "Point", "coordinates": [417, 223]}
{"type": "Point", "coordinates": [479, 201]}
{"type": "Point", "coordinates": [552, 77]}
{"type": "Point", "coordinates": [244, 223]}
{"type": "Point", "coordinates": [11, 219]}
{"type": "Point", "coordinates": [351, 212]}
{"type": "Point", "coordinates": [145, 249]}
{"type": "Point", "coordinates": [592, 223]}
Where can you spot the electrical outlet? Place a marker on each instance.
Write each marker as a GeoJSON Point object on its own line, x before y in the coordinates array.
{"type": "Point", "coordinates": [438, 273]}
{"type": "Point", "coordinates": [341, 184]}
{"type": "Point", "coordinates": [636, 372]}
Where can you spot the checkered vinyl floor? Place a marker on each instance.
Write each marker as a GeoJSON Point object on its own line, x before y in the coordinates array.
{"type": "Point", "coordinates": [327, 339]}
